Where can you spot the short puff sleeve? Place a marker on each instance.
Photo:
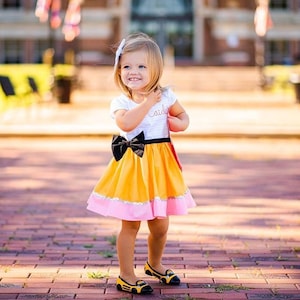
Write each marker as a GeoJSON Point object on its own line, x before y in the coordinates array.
{"type": "Point", "coordinates": [121, 102]}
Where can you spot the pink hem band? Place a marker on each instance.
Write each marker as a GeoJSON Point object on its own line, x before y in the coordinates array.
{"type": "Point", "coordinates": [156, 208]}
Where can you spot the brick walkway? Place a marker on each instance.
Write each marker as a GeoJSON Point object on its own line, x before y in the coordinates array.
{"type": "Point", "coordinates": [241, 242]}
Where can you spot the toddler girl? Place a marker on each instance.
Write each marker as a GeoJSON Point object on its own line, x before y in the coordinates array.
{"type": "Point", "coordinates": [143, 181]}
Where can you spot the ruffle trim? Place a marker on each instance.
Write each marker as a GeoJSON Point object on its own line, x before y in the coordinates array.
{"type": "Point", "coordinates": [157, 208]}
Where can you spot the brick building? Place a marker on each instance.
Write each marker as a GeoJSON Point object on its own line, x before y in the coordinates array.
{"type": "Point", "coordinates": [195, 32]}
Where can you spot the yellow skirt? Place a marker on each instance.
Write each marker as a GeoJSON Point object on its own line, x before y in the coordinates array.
{"type": "Point", "coordinates": [142, 188]}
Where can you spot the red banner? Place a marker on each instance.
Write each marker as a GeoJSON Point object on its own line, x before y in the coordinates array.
{"type": "Point", "coordinates": [262, 19]}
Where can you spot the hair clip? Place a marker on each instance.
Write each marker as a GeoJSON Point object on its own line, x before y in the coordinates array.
{"type": "Point", "coordinates": [119, 52]}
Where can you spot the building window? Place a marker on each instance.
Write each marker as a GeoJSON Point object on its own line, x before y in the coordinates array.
{"type": "Point", "coordinates": [278, 53]}
{"type": "Point", "coordinates": [158, 7]}
{"type": "Point", "coordinates": [39, 51]}
{"type": "Point", "coordinates": [13, 52]}
{"type": "Point", "coordinates": [279, 4]}
{"type": "Point", "coordinates": [11, 3]}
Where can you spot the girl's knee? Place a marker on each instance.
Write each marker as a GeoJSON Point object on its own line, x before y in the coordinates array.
{"type": "Point", "coordinates": [131, 226]}
{"type": "Point", "coordinates": [158, 227]}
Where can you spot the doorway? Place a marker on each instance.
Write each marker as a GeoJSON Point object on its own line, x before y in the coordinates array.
{"type": "Point", "coordinates": [168, 22]}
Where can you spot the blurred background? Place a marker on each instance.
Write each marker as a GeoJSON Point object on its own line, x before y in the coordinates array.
{"type": "Point", "coordinates": [197, 32]}
{"type": "Point", "coordinates": [76, 36]}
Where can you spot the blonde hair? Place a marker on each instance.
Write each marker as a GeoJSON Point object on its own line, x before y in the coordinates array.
{"type": "Point", "coordinates": [135, 42]}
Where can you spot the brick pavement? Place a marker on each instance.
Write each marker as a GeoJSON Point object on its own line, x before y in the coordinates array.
{"type": "Point", "coordinates": [241, 242]}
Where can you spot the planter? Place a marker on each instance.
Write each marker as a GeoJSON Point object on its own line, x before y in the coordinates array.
{"type": "Point", "coordinates": [295, 80]}
{"type": "Point", "coordinates": [63, 89]}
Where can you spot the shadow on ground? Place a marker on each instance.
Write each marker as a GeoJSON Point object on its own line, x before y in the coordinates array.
{"type": "Point", "coordinates": [242, 240]}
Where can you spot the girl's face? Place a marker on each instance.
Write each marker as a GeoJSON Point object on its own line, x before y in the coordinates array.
{"type": "Point", "coordinates": [135, 73]}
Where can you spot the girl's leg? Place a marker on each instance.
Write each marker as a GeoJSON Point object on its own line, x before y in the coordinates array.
{"type": "Point", "coordinates": [156, 242]}
{"type": "Point", "coordinates": [125, 248]}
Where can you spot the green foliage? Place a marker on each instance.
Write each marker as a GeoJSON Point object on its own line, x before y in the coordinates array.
{"type": "Point", "coordinates": [228, 287]}
{"type": "Point", "coordinates": [97, 275]}
{"type": "Point", "coordinates": [278, 77]}
{"type": "Point", "coordinates": [43, 74]}
{"type": "Point", "coordinates": [112, 239]}
{"type": "Point", "coordinates": [107, 253]}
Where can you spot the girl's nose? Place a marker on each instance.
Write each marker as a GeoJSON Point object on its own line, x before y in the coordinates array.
{"type": "Point", "coordinates": [133, 70]}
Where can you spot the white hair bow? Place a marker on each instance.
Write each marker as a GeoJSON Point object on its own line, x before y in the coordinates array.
{"type": "Point", "coordinates": [119, 52]}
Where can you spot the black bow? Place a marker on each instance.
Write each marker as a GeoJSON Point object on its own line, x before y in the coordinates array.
{"type": "Point", "coordinates": [120, 144]}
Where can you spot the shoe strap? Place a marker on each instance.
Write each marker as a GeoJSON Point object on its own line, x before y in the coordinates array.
{"type": "Point", "coordinates": [141, 283]}
{"type": "Point", "coordinates": [169, 272]}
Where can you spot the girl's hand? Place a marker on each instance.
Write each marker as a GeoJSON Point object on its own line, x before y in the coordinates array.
{"type": "Point", "coordinates": [154, 96]}
{"type": "Point", "coordinates": [127, 120]}
{"type": "Point", "coordinates": [175, 124]}
{"type": "Point", "coordinates": [178, 119]}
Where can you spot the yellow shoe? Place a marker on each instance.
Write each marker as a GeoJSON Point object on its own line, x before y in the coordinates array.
{"type": "Point", "coordinates": [141, 287]}
{"type": "Point", "coordinates": [168, 278]}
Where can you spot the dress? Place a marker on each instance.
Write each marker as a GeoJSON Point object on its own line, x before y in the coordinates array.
{"type": "Point", "coordinates": [138, 188]}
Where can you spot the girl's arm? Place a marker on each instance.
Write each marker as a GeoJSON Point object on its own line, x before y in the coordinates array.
{"type": "Point", "coordinates": [178, 118]}
{"type": "Point", "coordinates": [127, 120]}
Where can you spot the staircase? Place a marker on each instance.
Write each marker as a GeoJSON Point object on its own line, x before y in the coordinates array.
{"type": "Point", "coordinates": [193, 79]}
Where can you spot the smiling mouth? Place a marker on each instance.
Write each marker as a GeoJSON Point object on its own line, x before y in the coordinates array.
{"type": "Point", "coordinates": [133, 79]}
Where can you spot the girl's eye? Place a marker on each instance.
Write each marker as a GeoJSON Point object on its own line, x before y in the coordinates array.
{"type": "Point", "coordinates": [142, 67]}
{"type": "Point", "coordinates": [125, 67]}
